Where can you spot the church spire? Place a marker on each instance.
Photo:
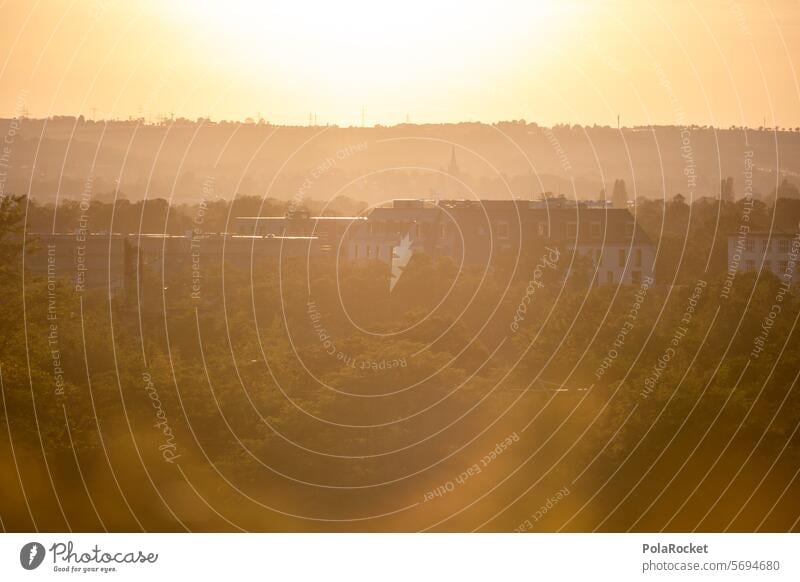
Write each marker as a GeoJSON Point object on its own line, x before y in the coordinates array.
{"type": "Point", "coordinates": [453, 167]}
{"type": "Point", "coordinates": [453, 178]}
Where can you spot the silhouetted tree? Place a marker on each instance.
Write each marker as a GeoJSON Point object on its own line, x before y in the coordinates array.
{"type": "Point", "coordinates": [787, 190]}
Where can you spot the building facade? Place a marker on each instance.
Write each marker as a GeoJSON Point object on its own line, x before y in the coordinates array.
{"type": "Point", "coordinates": [491, 232]}
{"type": "Point", "coordinates": [773, 252]}
{"type": "Point", "coordinates": [605, 243]}
{"type": "Point", "coordinates": [117, 263]}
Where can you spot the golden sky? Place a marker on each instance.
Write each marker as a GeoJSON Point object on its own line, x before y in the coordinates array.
{"type": "Point", "coordinates": [551, 61]}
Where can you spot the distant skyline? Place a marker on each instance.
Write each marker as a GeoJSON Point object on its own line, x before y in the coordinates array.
{"type": "Point", "coordinates": [165, 121]}
{"type": "Point", "coordinates": [654, 62]}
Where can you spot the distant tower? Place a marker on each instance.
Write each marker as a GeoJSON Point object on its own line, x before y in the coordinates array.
{"type": "Point", "coordinates": [453, 167]}
{"type": "Point", "coordinates": [453, 176]}
{"type": "Point", "coordinates": [619, 197]}
{"type": "Point", "coordinates": [726, 190]}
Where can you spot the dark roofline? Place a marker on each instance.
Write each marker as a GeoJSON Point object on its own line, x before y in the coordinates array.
{"type": "Point", "coordinates": [282, 218]}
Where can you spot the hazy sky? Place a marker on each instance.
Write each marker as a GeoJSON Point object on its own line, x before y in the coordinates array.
{"type": "Point", "coordinates": [578, 61]}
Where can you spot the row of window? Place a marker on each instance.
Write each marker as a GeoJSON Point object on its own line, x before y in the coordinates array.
{"type": "Point", "coordinates": [374, 252]}
{"type": "Point", "coordinates": [784, 245]}
{"type": "Point", "coordinates": [503, 230]}
{"type": "Point", "coordinates": [596, 229]}
{"type": "Point", "coordinates": [542, 229]}
{"type": "Point", "coordinates": [636, 278]}
{"type": "Point", "coordinates": [751, 266]}
{"type": "Point", "coordinates": [369, 252]}
{"type": "Point", "coordinates": [622, 256]}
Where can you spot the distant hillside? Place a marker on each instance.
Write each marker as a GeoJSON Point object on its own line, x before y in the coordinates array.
{"type": "Point", "coordinates": [186, 160]}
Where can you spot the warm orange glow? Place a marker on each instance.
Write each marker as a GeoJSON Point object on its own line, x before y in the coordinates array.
{"type": "Point", "coordinates": [550, 61]}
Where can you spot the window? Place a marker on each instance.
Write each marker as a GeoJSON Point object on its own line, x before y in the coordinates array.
{"type": "Point", "coordinates": [637, 258]}
{"type": "Point", "coordinates": [418, 230]}
{"type": "Point", "coordinates": [750, 245]}
{"type": "Point", "coordinates": [768, 265]}
{"type": "Point", "coordinates": [541, 228]}
{"type": "Point", "coordinates": [628, 229]}
{"type": "Point", "coordinates": [636, 277]}
{"type": "Point", "coordinates": [765, 245]}
{"type": "Point", "coordinates": [784, 267]}
{"type": "Point", "coordinates": [369, 251]}
{"type": "Point", "coordinates": [502, 230]}
{"type": "Point", "coordinates": [442, 231]}
{"type": "Point", "coordinates": [598, 257]}
{"type": "Point", "coordinates": [355, 251]}
{"type": "Point", "coordinates": [783, 245]}
{"type": "Point", "coordinates": [609, 276]}
{"type": "Point", "coordinates": [622, 257]}
{"type": "Point", "coordinates": [572, 230]}
{"type": "Point", "coordinates": [595, 230]}
{"type": "Point", "coordinates": [750, 265]}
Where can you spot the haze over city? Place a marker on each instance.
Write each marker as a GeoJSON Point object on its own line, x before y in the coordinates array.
{"type": "Point", "coordinates": [412, 266]}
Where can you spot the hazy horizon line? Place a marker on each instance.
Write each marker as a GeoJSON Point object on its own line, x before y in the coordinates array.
{"type": "Point", "coordinates": [167, 121]}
